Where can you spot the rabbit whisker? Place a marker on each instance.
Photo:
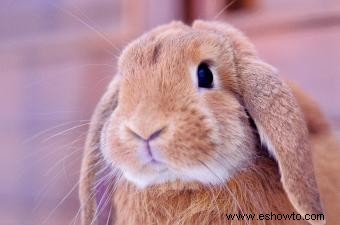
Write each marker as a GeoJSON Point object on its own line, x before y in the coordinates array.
{"type": "Point", "coordinates": [93, 194]}
{"type": "Point", "coordinates": [224, 186]}
{"type": "Point", "coordinates": [65, 131]}
{"type": "Point", "coordinates": [41, 133]}
{"type": "Point", "coordinates": [96, 31]}
{"type": "Point", "coordinates": [223, 9]}
{"type": "Point", "coordinates": [108, 193]}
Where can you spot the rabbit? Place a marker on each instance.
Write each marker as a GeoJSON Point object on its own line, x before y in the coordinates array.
{"type": "Point", "coordinates": [194, 127]}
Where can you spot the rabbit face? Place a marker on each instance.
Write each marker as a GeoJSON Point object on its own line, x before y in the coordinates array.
{"type": "Point", "coordinates": [178, 117]}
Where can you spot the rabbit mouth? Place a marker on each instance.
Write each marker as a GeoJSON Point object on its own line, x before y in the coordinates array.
{"type": "Point", "coordinates": [149, 155]}
{"type": "Point", "coordinates": [155, 165]}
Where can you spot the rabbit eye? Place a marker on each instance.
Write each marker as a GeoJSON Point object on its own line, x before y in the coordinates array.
{"type": "Point", "coordinates": [204, 76]}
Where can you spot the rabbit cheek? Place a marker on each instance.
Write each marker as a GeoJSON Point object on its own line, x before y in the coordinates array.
{"type": "Point", "coordinates": [190, 142]}
{"type": "Point", "coordinates": [235, 145]}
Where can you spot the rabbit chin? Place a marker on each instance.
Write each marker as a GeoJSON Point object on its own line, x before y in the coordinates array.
{"type": "Point", "coordinates": [214, 175]}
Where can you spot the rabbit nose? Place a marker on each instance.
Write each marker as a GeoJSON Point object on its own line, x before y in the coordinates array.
{"type": "Point", "coordinates": [146, 138]}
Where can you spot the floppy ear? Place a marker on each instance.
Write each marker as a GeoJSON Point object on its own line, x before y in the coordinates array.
{"type": "Point", "coordinates": [92, 158]}
{"type": "Point", "coordinates": [277, 116]}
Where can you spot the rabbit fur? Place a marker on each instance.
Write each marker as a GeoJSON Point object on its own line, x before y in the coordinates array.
{"type": "Point", "coordinates": [245, 146]}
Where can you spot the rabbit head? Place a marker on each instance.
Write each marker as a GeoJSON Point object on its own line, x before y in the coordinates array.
{"type": "Point", "coordinates": [184, 106]}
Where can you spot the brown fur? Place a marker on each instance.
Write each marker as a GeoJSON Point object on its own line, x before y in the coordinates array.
{"type": "Point", "coordinates": [196, 204]}
{"type": "Point", "coordinates": [326, 154]}
{"type": "Point", "coordinates": [153, 91]}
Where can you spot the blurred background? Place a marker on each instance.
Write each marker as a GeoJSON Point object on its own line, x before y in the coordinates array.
{"type": "Point", "coordinates": [57, 56]}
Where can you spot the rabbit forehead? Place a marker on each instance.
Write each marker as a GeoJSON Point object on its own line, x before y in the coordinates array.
{"type": "Point", "coordinates": [171, 49]}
